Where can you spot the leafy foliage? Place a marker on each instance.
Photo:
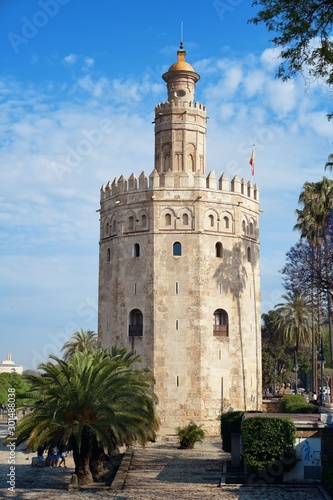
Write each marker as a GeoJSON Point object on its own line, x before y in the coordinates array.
{"type": "Point", "coordinates": [82, 341]}
{"type": "Point", "coordinates": [190, 434]}
{"type": "Point", "coordinates": [268, 443]}
{"type": "Point", "coordinates": [230, 422]}
{"type": "Point", "coordinates": [12, 380]}
{"type": "Point", "coordinates": [302, 31]}
{"type": "Point", "coordinates": [293, 320]}
{"type": "Point", "coordinates": [91, 400]}
{"type": "Point", "coordinates": [295, 403]}
{"type": "Point", "coordinates": [309, 267]}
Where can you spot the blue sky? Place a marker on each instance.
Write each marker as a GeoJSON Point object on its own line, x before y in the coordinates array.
{"type": "Point", "coordinates": [78, 70]}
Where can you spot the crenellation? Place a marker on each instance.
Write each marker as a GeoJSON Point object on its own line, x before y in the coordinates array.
{"type": "Point", "coordinates": [243, 186]}
{"type": "Point", "coordinates": [143, 181]}
{"type": "Point", "coordinates": [224, 182]}
{"type": "Point", "coordinates": [184, 104]}
{"type": "Point", "coordinates": [199, 180]}
{"type": "Point", "coordinates": [180, 180]}
{"type": "Point", "coordinates": [114, 189]}
{"type": "Point", "coordinates": [236, 185]}
{"type": "Point", "coordinates": [256, 192]}
{"type": "Point", "coordinates": [249, 191]}
{"type": "Point", "coordinates": [132, 183]}
{"type": "Point", "coordinates": [122, 184]}
{"type": "Point", "coordinates": [211, 181]}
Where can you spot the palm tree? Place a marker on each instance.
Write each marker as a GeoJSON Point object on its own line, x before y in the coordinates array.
{"type": "Point", "coordinates": [82, 341]}
{"type": "Point", "coordinates": [93, 399]}
{"type": "Point", "coordinates": [293, 320]}
{"type": "Point", "coordinates": [329, 163]}
{"type": "Point", "coordinates": [312, 221]}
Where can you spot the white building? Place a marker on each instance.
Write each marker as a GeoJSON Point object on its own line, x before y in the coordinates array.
{"type": "Point", "coordinates": [8, 366]}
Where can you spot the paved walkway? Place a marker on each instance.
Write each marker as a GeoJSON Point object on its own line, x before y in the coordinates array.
{"type": "Point", "coordinates": [159, 471]}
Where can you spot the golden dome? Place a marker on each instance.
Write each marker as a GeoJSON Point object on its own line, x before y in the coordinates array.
{"type": "Point", "coordinates": [181, 64]}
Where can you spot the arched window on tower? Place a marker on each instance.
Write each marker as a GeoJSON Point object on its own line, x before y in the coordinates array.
{"type": "Point", "coordinates": [220, 323]}
{"type": "Point", "coordinates": [131, 223]}
{"type": "Point", "coordinates": [143, 221]}
{"type": "Point", "coordinates": [136, 250]}
{"type": "Point", "coordinates": [211, 220]}
{"type": "Point", "coordinates": [135, 328]}
{"type": "Point", "coordinates": [177, 249]}
{"type": "Point", "coordinates": [185, 219]}
{"type": "Point", "coordinates": [219, 250]}
{"type": "Point", "coordinates": [226, 222]}
{"type": "Point", "coordinates": [248, 254]}
{"type": "Point", "coordinates": [190, 163]}
{"type": "Point", "coordinates": [178, 162]}
{"type": "Point", "coordinates": [166, 162]}
{"type": "Point", "coordinates": [251, 228]}
{"type": "Point", "coordinates": [244, 226]}
{"type": "Point", "coordinates": [167, 219]}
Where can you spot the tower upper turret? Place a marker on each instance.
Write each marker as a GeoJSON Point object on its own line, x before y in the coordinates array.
{"type": "Point", "coordinates": [181, 79]}
{"type": "Point", "coordinates": [180, 123]}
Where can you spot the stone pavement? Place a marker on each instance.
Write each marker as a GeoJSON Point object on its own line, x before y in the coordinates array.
{"type": "Point", "coordinates": [159, 471]}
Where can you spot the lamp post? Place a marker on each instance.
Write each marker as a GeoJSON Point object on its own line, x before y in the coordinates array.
{"type": "Point", "coordinates": [321, 361]}
{"type": "Point", "coordinates": [295, 369]}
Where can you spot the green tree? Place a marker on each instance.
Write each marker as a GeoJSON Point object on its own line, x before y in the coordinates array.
{"type": "Point", "coordinates": [275, 358]}
{"type": "Point", "coordinates": [92, 400]}
{"type": "Point", "coordinates": [314, 222]}
{"type": "Point", "coordinates": [302, 31]}
{"type": "Point", "coordinates": [82, 341]}
{"type": "Point", "coordinates": [294, 325]}
{"type": "Point", "coordinates": [293, 320]}
{"type": "Point", "coordinates": [15, 381]}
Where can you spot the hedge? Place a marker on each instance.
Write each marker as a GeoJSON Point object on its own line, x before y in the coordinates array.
{"type": "Point", "coordinates": [268, 447]}
{"type": "Point", "coordinates": [230, 422]}
{"type": "Point", "coordinates": [295, 403]}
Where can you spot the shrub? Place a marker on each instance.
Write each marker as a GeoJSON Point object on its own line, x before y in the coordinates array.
{"type": "Point", "coordinates": [230, 422]}
{"type": "Point", "coordinates": [268, 446]}
{"type": "Point", "coordinates": [190, 434]}
{"type": "Point", "coordinates": [295, 403]}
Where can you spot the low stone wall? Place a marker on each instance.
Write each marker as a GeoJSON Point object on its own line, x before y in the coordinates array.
{"type": "Point", "coordinates": [270, 405]}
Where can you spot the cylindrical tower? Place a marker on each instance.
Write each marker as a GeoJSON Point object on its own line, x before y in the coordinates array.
{"type": "Point", "coordinates": [179, 274]}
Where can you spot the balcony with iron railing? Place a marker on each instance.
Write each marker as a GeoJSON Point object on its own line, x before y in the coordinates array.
{"type": "Point", "coordinates": [135, 330]}
{"type": "Point", "coordinates": [220, 330]}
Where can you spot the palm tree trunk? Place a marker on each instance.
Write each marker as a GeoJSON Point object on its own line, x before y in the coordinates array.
{"type": "Point", "coordinates": [82, 458]}
{"type": "Point", "coordinates": [98, 457]}
{"type": "Point", "coordinates": [330, 330]}
{"type": "Point", "coordinates": [314, 357]}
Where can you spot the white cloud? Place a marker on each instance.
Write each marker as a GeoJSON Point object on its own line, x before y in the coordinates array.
{"type": "Point", "coordinates": [70, 59]}
{"type": "Point", "coordinates": [271, 59]}
{"type": "Point", "coordinates": [88, 62]}
{"type": "Point", "coordinates": [281, 96]}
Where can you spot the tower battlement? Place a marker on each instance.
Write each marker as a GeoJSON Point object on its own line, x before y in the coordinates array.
{"type": "Point", "coordinates": [179, 180]}
{"type": "Point", "coordinates": [180, 104]}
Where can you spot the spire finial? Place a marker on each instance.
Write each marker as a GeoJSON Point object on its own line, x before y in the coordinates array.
{"type": "Point", "coordinates": [181, 45]}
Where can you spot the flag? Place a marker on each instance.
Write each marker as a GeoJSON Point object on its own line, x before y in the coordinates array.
{"type": "Point", "coordinates": [251, 162]}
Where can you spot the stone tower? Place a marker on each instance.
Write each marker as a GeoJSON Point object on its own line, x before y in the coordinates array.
{"type": "Point", "coordinates": [179, 276]}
